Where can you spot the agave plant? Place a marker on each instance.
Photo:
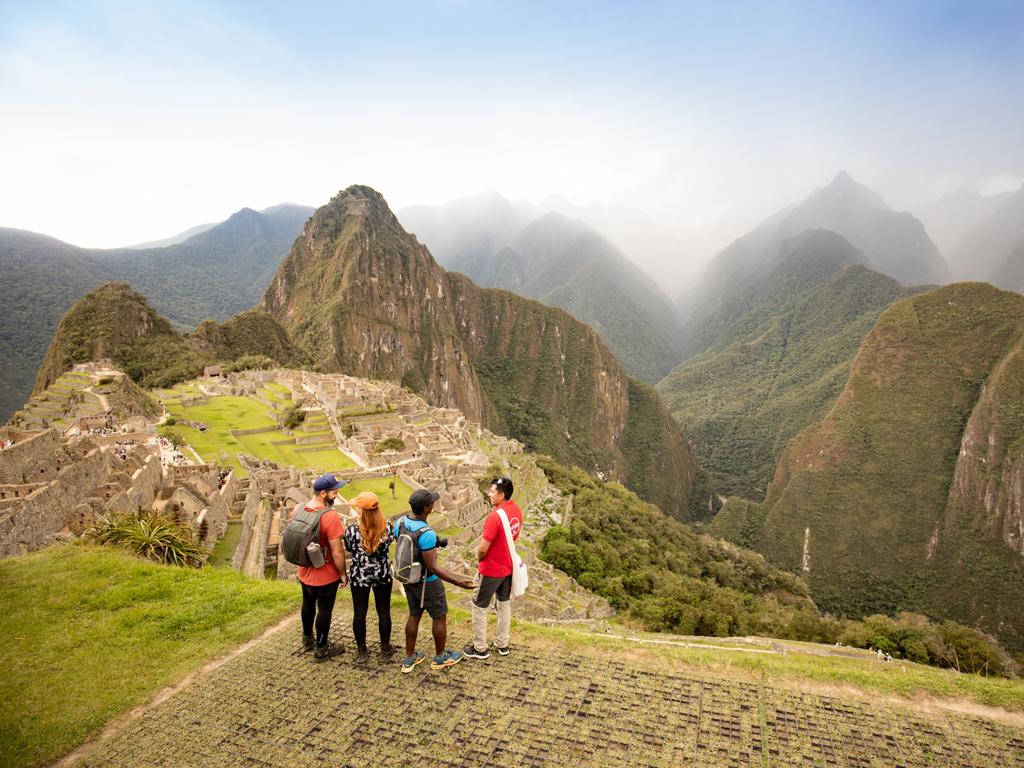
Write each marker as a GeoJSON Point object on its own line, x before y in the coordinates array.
{"type": "Point", "coordinates": [150, 535]}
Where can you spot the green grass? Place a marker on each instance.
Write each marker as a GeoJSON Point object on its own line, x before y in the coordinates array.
{"type": "Point", "coordinates": [92, 632]}
{"type": "Point", "coordinates": [379, 485]}
{"type": "Point", "coordinates": [224, 551]}
{"type": "Point", "coordinates": [224, 414]}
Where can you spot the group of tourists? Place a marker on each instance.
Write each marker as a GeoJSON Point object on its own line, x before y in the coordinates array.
{"type": "Point", "coordinates": [358, 556]}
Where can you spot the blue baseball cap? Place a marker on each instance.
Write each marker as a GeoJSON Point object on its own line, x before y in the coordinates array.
{"type": "Point", "coordinates": [328, 483]}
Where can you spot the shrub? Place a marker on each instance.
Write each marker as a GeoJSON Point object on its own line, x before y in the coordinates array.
{"type": "Point", "coordinates": [389, 444]}
{"type": "Point", "coordinates": [293, 416]}
{"type": "Point", "coordinates": [151, 536]}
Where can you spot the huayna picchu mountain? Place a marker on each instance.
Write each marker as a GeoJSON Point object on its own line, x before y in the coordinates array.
{"type": "Point", "coordinates": [908, 494]}
{"type": "Point", "coordinates": [361, 295]}
{"type": "Point", "coordinates": [115, 322]}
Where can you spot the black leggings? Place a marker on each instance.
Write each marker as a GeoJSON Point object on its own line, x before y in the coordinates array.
{"type": "Point", "coordinates": [318, 602]}
{"type": "Point", "coordinates": [361, 605]}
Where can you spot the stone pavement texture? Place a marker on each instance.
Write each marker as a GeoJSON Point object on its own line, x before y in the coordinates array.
{"type": "Point", "coordinates": [272, 706]}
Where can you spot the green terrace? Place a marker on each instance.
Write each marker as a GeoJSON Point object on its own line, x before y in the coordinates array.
{"type": "Point", "coordinates": [244, 425]}
{"type": "Point", "coordinates": [390, 505]}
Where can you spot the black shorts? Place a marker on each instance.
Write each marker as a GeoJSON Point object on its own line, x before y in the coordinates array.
{"type": "Point", "coordinates": [435, 602]}
{"type": "Point", "coordinates": [491, 586]}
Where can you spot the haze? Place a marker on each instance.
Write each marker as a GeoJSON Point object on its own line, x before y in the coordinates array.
{"type": "Point", "coordinates": [127, 122]}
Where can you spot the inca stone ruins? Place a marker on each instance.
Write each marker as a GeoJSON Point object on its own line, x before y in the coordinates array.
{"type": "Point", "coordinates": [91, 445]}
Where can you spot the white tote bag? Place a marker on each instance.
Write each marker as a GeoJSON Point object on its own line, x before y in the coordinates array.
{"type": "Point", "coordinates": [520, 578]}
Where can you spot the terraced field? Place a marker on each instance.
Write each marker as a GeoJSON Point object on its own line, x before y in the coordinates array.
{"type": "Point", "coordinates": [545, 705]}
{"type": "Point", "coordinates": [224, 417]}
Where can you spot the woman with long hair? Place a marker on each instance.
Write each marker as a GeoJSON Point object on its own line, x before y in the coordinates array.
{"type": "Point", "coordinates": [368, 542]}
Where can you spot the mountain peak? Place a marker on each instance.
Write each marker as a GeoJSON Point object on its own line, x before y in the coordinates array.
{"type": "Point", "coordinates": [847, 189]}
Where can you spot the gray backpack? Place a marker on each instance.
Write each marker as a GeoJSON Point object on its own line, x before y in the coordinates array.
{"type": "Point", "coordinates": [409, 568]}
{"type": "Point", "coordinates": [300, 540]}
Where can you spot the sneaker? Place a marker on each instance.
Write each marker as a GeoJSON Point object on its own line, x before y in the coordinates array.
{"type": "Point", "coordinates": [470, 652]}
{"type": "Point", "coordinates": [502, 651]}
{"type": "Point", "coordinates": [308, 642]}
{"type": "Point", "coordinates": [411, 661]}
{"type": "Point", "coordinates": [362, 652]}
{"type": "Point", "coordinates": [324, 652]}
{"type": "Point", "coordinates": [446, 659]}
{"type": "Point", "coordinates": [387, 651]}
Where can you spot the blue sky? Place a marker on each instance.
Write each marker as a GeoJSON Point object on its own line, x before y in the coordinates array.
{"type": "Point", "coordinates": [123, 122]}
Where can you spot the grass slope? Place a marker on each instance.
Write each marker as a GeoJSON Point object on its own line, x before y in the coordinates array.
{"type": "Point", "coordinates": [92, 632]}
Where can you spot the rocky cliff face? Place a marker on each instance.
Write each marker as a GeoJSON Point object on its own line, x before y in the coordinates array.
{"type": "Point", "coordinates": [907, 495]}
{"type": "Point", "coordinates": [361, 295]}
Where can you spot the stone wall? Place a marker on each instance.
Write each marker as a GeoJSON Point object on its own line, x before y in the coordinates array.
{"type": "Point", "coordinates": [29, 449]}
{"type": "Point", "coordinates": [142, 487]}
{"type": "Point", "coordinates": [29, 523]}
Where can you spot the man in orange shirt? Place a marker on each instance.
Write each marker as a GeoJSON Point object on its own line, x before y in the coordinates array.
{"type": "Point", "coordinates": [320, 585]}
{"type": "Point", "coordinates": [495, 572]}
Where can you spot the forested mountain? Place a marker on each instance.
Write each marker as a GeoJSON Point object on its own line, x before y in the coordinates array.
{"type": "Point", "coordinates": [363, 296]}
{"type": "Point", "coordinates": [561, 262]}
{"type": "Point", "coordinates": [781, 363]}
{"type": "Point", "coordinates": [893, 243]}
{"type": "Point", "coordinates": [906, 495]}
{"type": "Point", "coordinates": [115, 322]}
{"type": "Point", "coordinates": [985, 250]}
{"type": "Point", "coordinates": [215, 274]}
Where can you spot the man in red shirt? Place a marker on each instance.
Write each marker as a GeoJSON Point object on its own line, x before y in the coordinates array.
{"type": "Point", "coordinates": [320, 585]}
{"type": "Point", "coordinates": [495, 572]}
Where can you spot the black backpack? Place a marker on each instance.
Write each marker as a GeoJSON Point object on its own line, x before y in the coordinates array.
{"type": "Point", "coordinates": [302, 530]}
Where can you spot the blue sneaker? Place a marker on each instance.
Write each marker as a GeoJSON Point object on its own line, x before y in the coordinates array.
{"type": "Point", "coordinates": [411, 661]}
{"type": "Point", "coordinates": [446, 659]}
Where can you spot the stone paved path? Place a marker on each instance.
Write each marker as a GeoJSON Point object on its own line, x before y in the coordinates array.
{"type": "Point", "coordinates": [272, 706]}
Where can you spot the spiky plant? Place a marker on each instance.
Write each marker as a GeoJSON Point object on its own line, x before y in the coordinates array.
{"type": "Point", "coordinates": [150, 535]}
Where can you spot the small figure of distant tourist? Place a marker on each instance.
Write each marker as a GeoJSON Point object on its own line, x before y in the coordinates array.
{"type": "Point", "coordinates": [367, 542]}
{"type": "Point", "coordinates": [320, 585]}
{"type": "Point", "coordinates": [426, 593]}
{"type": "Point", "coordinates": [495, 571]}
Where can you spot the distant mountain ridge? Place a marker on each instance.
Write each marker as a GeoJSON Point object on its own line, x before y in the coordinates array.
{"type": "Point", "coordinates": [906, 495]}
{"type": "Point", "coordinates": [894, 244]}
{"type": "Point", "coordinates": [561, 262]}
{"type": "Point", "coordinates": [985, 251]}
{"type": "Point", "coordinates": [361, 295]}
{"type": "Point", "coordinates": [215, 274]}
{"type": "Point", "coordinates": [781, 364]}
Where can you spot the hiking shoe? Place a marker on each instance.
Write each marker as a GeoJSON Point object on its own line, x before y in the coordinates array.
{"type": "Point", "coordinates": [446, 659]}
{"type": "Point", "coordinates": [411, 661]}
{"type": "Point", "coordinates": [387, 651]}
{"type": "Point", "coordinates": [502, 651]}
{"type": "Point", "coordinates": [470, 652]}
{"type": "Point", "coordinates": [324, 652]}
{"type": "Point", "coordinates": [308, 642]}
{"type": "Point", "coordinates": [362, 652]}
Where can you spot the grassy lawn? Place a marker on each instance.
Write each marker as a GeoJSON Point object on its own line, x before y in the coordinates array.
{"type": "Point", "coordinates": [224, 550]}
{"type": "Point", "coordinates": [92, 632]}
{"type": "Point", "coordinates": [379, 485]}
{"type": "Point", "coordinates": [223, 414]}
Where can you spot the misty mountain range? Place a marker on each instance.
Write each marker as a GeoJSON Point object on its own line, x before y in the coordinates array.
{"type": "Point", "coordinates": [214, 274]}
{"type": "Point", "coordinates": [594, 261]}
